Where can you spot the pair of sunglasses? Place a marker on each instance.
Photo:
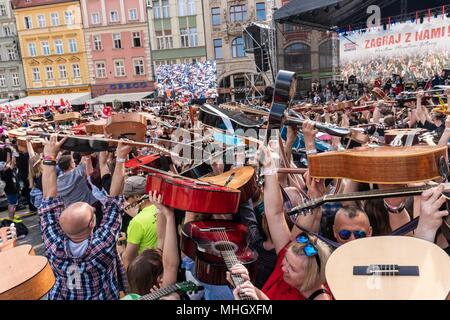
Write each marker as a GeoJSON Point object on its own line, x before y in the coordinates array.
{"type": "Point", "coordinates": [308, 249]}
{"type": "Point", "coordinates": [346, 234]}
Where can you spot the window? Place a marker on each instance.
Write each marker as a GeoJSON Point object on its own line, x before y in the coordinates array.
{"type": "Point", "coordinates": [62, 71]}
{"type": "Point", "coordinates": [68, 17]}
{"type": "Point", "coordinates": [100, 70]}
{"type": "Point", "coordinates": [132, 16]}
{"type": "Point", "coordinates": [41, 21]}
{"type": "Point", "coordinates": [186, 7]}
{"type": "Point", "coordinates": [215, 14]}
{"type": "Point", "coordinates": [297, 57]}
{"type": "Point", "coordinates": [260, 11]}
{"type": "Point", "coordinates": [15, 78]}
{"type": "Point", "coordinates": [2, 10]}
{"type": "Point", "coordinates": [117, 41]}
{"type": "Point", "coordinates": [76, 70]}
{"type": "Point", "coordinates": [59, 47]}
{"type": "Point", "coordinates": [182, 10]}
{"type": "Point", "coordinates": [36, 74]}
{"type": "Point", "coordinates": [218, 53]}
{"type": "Point", "coordinates": [237, 48]}
{"type": "Point", "coordinates": [139, 67]}
{"type": "Point", "coordinates": [12, 54]}
{"type": "Point", "coordinates": [238, 13]}
{"type": "Point", "coordinates": [32, 49]}
{"type": "Point", "coordinates": [165, 9]}
{"type": "Point", "coordinates": [55, 19]}
{"type": "Point", "coordinates": [45, 48]}
{"type": "Point", "coordinates": [114, 16]}
{"type": "Point", "coordinates": [49, 73]}
{"type": "Point", "coordinates": [164, 40]}
{"type": "Point", "coordinates": [96, 18]}
{"type": "Point", "coordinates": [73, 45]}
{"type": "Point", "coordinates": [136, 39]}
{"type": "Point", "coordinates": [7, 31]}
{"type": "Point", "coordinates": [191, 7]}
{"type": "Point", "coordinates": [120, 68]}
{"type": "Point", "coordinates": [157, 10]}
{"type": "Point", "coordinates": [2, 81]}
{"type": "Point", "coordinates": [326, 56]}
{"type": "Point", "coordinates": [189, 37]}
{"type": "Point", "coordinates": [28, 22]}
{"type": "Point", "coordinates": [98, 42]}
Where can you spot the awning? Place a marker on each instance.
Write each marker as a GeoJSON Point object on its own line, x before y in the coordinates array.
{"type": "Point", "coordinates": [122, 97]}
{"type": "Point", "coordinates": [35, 101]}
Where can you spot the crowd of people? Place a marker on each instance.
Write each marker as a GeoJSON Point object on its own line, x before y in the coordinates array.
{"type": "Point", "coordinates": [187, 81]}
{"type": "Point", "coordinates": [107, 237]}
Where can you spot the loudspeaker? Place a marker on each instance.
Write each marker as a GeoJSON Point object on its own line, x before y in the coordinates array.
{"type": "Point", "coordinates": [352, 80]}
{"type": "Point", "coordinates": [255, 40]}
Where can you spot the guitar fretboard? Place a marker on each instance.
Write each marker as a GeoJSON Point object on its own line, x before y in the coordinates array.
{"type": "Point", "coordinates": [230, 260]}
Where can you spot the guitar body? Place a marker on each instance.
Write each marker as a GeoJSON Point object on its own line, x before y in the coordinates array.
{"type": "Point", "coordinates": [69, 116]}
{"type": "Point", "coordinates": [192, 195]}
{"type": "Point", "coordinates": [202, 241]}
{"type": "Point", "coordinates": [387, 165]}
{"type": "Point", "coordinates": [131, 126]}
{"type": "Point", "coordinates": [243, 179]}
{"type": "Point", "coordinates": [389, 135]}
{"type": "Point", "coordinates": [37, 143]}
{"type": "Point", "coordinates": [24, 276]}
{"type": "Point", "coordinates": [95, 127]}
{"type": "Point", "coordinates": [431, 263]}
{"type": "Point", "coordinates": [212, 116]}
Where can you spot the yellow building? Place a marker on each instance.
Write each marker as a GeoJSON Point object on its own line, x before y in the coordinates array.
{"type": "Point", "coordinates": [52, 46]}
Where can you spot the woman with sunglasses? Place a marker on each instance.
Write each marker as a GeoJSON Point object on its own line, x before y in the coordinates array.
{"type": "Point", "coordinates": [300, 270]}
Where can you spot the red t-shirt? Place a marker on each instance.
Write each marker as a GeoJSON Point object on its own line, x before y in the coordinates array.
{"type": "Point", "coordinates": [276, 288]}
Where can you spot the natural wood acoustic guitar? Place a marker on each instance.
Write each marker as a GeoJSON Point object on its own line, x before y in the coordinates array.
{"type": "Point", "coordinates": [389, 268]}
{"type": "Point", "coordinates": [23, 275]}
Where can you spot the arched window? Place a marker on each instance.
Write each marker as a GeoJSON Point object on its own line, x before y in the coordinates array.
{"type": "Point", "coordinates": [326, 56]}
{"type": "Point", "coordinates": [297, 57]}
{"type": "Point", "coordinates": [237, 48]}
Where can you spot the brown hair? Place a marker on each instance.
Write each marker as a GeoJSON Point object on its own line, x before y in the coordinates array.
{"type": "Point", "coordinates": [144, 270]}
{"type": "Point", "coordinates": [313, 276]}
{"type": "Point", "coordinates": [35, 169]}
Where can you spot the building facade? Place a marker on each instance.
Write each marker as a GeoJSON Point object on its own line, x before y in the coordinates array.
{"type": "Point", "coordinates": [309, 53]}
{"type": "Point", "coordinates": [12, 81]}
{"type": "Point", "coordinates": [117, 42]}
{"type": "Point", "coordinates": [52, 45]}
{"type": "Point", "coordinates": [177, 31]}
{"type": "Point", "coordinates": [237, 74]}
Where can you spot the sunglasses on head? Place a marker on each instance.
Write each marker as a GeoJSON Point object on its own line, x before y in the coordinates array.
{"type": "Point", "coordinates": [346, 234]}
{"type": "Point", "coordinates": [309, 249]}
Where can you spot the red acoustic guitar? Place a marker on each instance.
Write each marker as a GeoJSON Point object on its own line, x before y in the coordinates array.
{"type": "Point", "coordinates": [216, 246]}
{"type": "Point", "coordinates": [192, 195]}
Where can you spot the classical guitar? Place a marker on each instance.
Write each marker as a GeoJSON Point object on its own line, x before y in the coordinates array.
{"type": "Point", "coordinates": [7, 239]}
{"type": "Point", "coordinates": [308, 205]}
{"type": "Point", "coordinates": [23, 275]}
{"type": "Point", "coordinates": [216, 246]}
{"type": "Point", "coordinates": [182, 287]}
{"type": "Point", "coordinates": [389, 268]}
{"type": "Point", "coordinates": [192, 195]}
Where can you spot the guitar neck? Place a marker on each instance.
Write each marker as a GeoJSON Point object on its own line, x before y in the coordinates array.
{"type": "Point", "coordinates": [230, 260]}
{"type": "Point", "coordinates": [160, 293]}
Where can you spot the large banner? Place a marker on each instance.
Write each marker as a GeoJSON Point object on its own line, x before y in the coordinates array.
{"type": "Point", "coordinates": [412, 50]}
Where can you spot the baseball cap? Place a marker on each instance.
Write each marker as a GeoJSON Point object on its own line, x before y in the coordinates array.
{"type": "Point", "coordinates": [134, 185]}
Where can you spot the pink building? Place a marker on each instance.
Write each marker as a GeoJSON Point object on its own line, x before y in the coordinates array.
{"type": "Point", "coordinates": [116, 35]}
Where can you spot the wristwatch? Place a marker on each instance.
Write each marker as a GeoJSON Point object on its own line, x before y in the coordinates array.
{"type": "Point", "coordinates": [121, 160]}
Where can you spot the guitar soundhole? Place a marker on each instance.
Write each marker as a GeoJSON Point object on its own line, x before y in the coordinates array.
{"type": "Point", "coordinates": [222, 246]}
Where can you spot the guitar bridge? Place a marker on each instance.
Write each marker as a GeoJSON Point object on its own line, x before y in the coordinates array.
{"type": "Point", "coordinates": [385, 270]}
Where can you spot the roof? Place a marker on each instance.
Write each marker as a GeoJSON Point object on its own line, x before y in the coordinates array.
{"type": "Point", "coordinates": [21, 4]}
{"type": "Point", "coordinates": [122, 97]}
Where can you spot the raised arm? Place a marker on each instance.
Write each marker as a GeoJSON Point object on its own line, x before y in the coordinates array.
{"type": "Point", "coordinates": [119, 172]}
{"type": "Point", "coordinates": [103, 163]}
{"type": "Point", "coordinates": [51, 150]}
{"type": "Point", "coordinates": [30, 149]}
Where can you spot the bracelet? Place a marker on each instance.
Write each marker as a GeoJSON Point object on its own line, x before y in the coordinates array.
{"type": "Point", "coordinates": [393, 209]}
{"type": "Point", "coordinates": [121, 160]}
{"type": "Point", "coordinates": [49, 162]}
{"type": "Point", "coordinates": [313, 151]}
{"type": "Point", "coordinates": [48, 157]}
{"type": "Point", "coordinates": [270, 171]}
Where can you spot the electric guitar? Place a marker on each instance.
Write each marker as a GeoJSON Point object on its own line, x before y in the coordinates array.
{"type": "Point", "coordinates": [183, 287]}
{"type": "Point", "coordinates": [389, 268]}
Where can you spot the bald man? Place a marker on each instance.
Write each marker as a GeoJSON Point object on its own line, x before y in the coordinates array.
{"type": "Point", "coordinates": [85, 262]}
{"type": "Point", "coordinates": [351, 223]}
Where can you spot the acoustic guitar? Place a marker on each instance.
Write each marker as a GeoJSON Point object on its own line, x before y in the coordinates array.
{"type": "Point", "coordinates": [23, 275]}
{"type": "Point", "coordinates": [183, 287]}
{"type": "Point", "coordinates": [216, 246]}
{"type": "Point", "coordinates": [389, 268]}
{"type": "Point", "coordinates": [7, 239]}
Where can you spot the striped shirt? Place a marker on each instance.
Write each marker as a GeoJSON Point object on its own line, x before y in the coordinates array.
{"type": "Point", "coordinates": [98, 274]}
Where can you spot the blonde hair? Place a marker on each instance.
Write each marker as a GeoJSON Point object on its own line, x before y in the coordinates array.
{"type": "Point", "coordinates": [312, 276]}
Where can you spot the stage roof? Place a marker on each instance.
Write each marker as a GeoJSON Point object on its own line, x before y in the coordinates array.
{"type": "Point", "coordinates": [326, 14]}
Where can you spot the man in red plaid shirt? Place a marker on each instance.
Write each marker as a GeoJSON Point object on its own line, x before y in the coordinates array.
{"type": "Point", "coordinates": [85, 262]}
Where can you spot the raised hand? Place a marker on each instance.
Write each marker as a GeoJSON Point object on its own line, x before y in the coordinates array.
{"type": "Point", "coordinates": [52, 146]}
